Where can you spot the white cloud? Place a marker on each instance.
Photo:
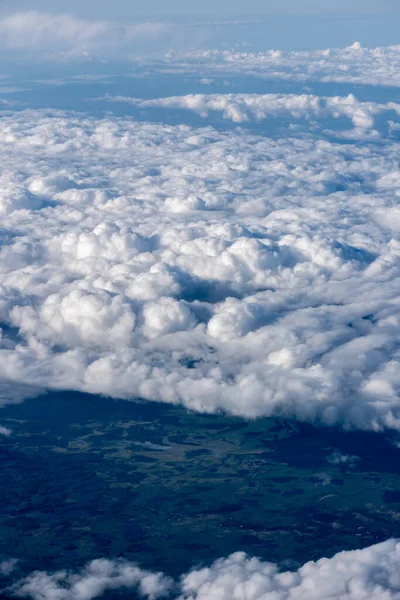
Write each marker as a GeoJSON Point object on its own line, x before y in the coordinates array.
{"type": "Point", "coordinates": [353, 64]}
{"type": "Point", "coordinates": [7, 567]}
{"type": "Point", "coordinates": [54, 35]}
{"type": "Point", "coordinates": [33, 29]}
{"type": "Point", "coordinates": [167, 315]}
{"type": "Point", "coordinates": [150, 446]}
{"type": "Point", "coordinates": [5, 431]}
{"type": "Point", "coordinates": [337, 458]}
{"type": "Point", "coordinates": [68, 35]}
{"type": "Point", "coordinates": [240, 108]}
{"type": "Point", "coordinates": [220, 270]}
{"type": "Point", "coordinates": [98, 576]}
{"type": "Point", "coordinates": [369, 574]}
{"type": "Point", "coordinates": [77, 317]}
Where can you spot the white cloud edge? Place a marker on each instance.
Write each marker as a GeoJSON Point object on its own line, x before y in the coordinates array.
{"type": "Point", "coordinates": [368, 574]}
{"type": "Point", "coordinates": [240, 108]}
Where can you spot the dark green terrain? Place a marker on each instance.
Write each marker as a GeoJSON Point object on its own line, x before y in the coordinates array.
{"type": "Point", "coordinates": [85, 477]}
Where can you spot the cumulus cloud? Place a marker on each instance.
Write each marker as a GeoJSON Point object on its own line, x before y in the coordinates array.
{"type": "Point", "coordinates": [77, 317]}
{"type": "Point", "coordinates": [219, 270]}
{"type": "Point", "coordinates": [98, 577]}
{"type": "Point", "coordinates": [69, 35]}
{"type": "Point", "coordinates": [369, 574]}
{"type": "Point", "coordinates": [240, 108]}
{"type": "Point", "coordinates": [364, 574]}
{"type": "Point", "coordinates": [353, 64]}
{"type": "Point", "coordinates": [167, 315]}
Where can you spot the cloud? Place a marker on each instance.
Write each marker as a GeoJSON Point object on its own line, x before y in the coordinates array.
{"type": "Point", "coordinates": [368, 574]}
{"type": "Point", "coordinates": [150, 446]}
{"type": "Point", "coordinates": [68, 35]}
{"type": "Point", "coordinates": [363, 574]}
{"type": "Point", "coordinates": [240, 108]}
{"type": "Point", "coordinates": [337, 458]}
{"type": "Point", "coordinates": [166, 316]}
{"type": "Point", "coordinates": [352, 64]}
{"type": "Point", "coordinates": [7, 567]}
{"type": "Point", "coordinates": [98, 577]}
{"type": "Point", "coordinates": [221, 270]}
{"type": "Point", "coordinates": [162, 45]}
{"type": "Point", "coordinates": [33, 29]}
{"type": "Point", "coordinates": [78, 317]}
{"type": "Point", "coordinates": [5, 431]}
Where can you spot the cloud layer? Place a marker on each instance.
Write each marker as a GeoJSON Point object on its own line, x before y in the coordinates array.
{"type": "Point", "coordinates": [184, 47]}
{"type": "Point", "coordinates": [353, 64]}
{"type": "Point", "coordinates": [220, 270]}
{"type": "Point", "coordinates": [369, 574]}
{"type": "Point", "coordinates": [178, 47]}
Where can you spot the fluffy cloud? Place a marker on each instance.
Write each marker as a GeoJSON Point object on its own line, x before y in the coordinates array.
{"type": "Point", "coordinates": [77, 317]}
{"type": "Point", "coordinates": [354, 64]}
{"type": "Point", "coordinates": [98, 577]}
{"type": "Point", "coordinates": [219, 270]}
{"type": "Point", "coordinates": [167, 315]}
{"type": "Point", "coordinates": [369, 574]}
{"type": "Point", "coordinates": [240, 108]}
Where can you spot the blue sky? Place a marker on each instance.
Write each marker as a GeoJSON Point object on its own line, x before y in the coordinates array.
{"type": "Point", "coordinates": [101, 9]}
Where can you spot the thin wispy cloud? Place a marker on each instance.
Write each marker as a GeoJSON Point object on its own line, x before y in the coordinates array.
{"type": "Point", "coordinates": [65, 35]}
